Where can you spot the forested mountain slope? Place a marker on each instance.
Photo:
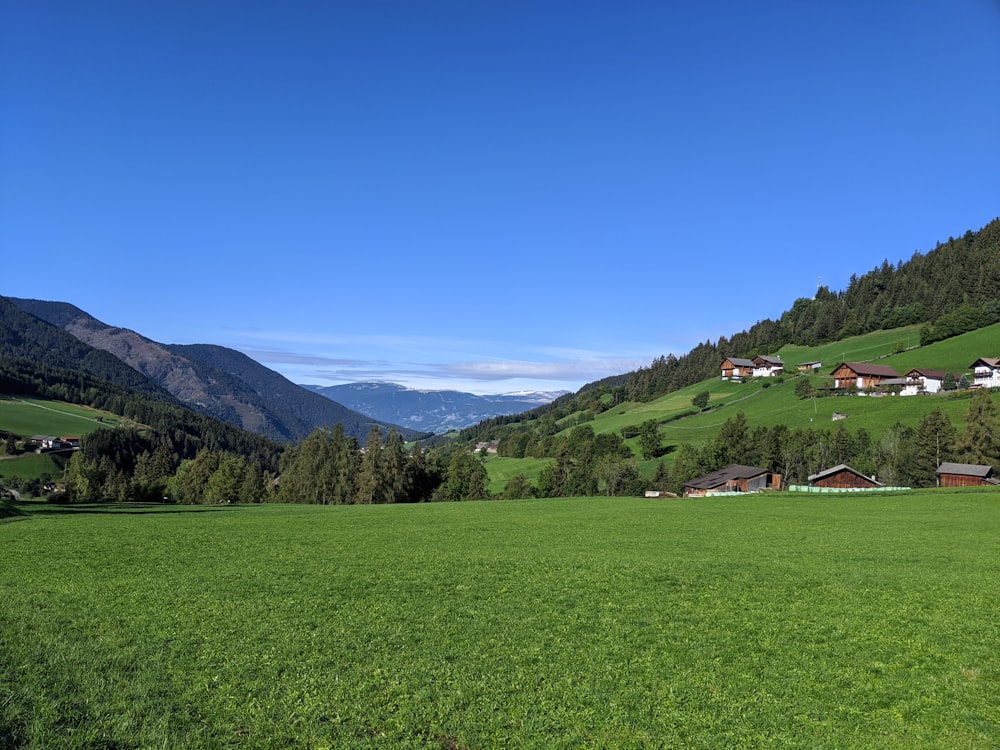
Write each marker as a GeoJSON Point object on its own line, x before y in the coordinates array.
{"type": "Point", "coordinates": [221, 382]}
{"type": "Point", "coordinates": [948, 291]}
{"type": "Point", "coordinates": [25, 336]}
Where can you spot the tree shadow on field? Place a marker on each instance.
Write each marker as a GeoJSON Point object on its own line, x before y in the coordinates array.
{"type": "Point", "coordinates": [118, 509]}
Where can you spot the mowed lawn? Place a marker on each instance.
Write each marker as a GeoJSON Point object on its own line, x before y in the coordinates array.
{"type": "Point", "coordinates": [773, 621]}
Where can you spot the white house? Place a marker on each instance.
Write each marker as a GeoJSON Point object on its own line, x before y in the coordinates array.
{"type": "Point", "coordinates": [765, 367]}
{"type": "Point", "coordinates": [920, 380]}
{"type": "Point", "coordinates": [986, 372]}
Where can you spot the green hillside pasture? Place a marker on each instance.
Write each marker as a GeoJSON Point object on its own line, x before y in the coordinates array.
{"type": "Point", "coordinates": [27, 417]}
{"type": "Point", "coordinates": [954, 354]}
{"type": "Point", "coordinates": [500, 470]}
{"type": "Point", "coordinates": [862, 348]}
{"type": "Point", "coordinates": [673, 405]}
{"type": "Point", "coordinates": [33, 465]}
{"type": "Point", "coordinates": [778, 621]}
{"type": "Point", "coordinates": [780, 405]}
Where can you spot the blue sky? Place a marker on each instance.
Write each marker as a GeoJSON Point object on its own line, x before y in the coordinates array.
{"type": "Point", "coordinates": [489, 196]}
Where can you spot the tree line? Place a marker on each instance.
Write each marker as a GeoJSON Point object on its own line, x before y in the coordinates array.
{"type": "Point", "coordinates": [902, 456]}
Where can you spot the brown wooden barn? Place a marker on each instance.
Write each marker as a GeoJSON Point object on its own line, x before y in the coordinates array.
{"type": "Point", "coordinates": [843, 477]}
{"type": "Point", "coordinates": [861, 375]}
{"type": "Point", "coordinates": [965, 475]}
{"type": "Point", "coordinates": [736, 368]}
{"type": "Point", "coordinates": [733, 478]}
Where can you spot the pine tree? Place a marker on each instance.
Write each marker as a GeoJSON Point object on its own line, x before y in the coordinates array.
{"type": "Point", "coordinates": [935, 443]}
{"type": "Point", "coordinates": [979, 442]}
{"type": "Point", "coordinates": [370, 478]}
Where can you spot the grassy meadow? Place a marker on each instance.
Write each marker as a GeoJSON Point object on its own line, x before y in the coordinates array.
{"type": "Point", "coordinates": [31, 416]}
{"type": "Point", "coordinates": [771, 621]}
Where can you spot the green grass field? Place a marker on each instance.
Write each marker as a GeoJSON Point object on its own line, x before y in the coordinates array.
{"type": "Point", "coordinates": [34, 466]}
{"type": "Point", "coordinates": [27, 417]}
{"type": "Point", "coordinates": [772, 621]}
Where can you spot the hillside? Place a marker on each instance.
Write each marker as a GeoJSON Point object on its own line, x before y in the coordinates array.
{"type": "Point", "coordinates": [23, 336]}
{"type": "Point", "coordinates": [431, 411]}
{"type": "Point", "coordinates": [221, 382]}
{"type": "Point", "coordinates": [766, 405]}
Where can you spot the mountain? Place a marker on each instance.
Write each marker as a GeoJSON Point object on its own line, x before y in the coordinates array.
{"type": "Point", "coordinates": [432, 411]}
{"type": "Point", "coordinates": [220, 382]}
{"type": "Point", "coordinates": [25, 337]}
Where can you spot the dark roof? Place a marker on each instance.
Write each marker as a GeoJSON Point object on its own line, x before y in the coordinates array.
{"type": "Point", "coordinates": [863, 368]}
{"type": "Point", "coordinates": [726, 474]}
{"type": "Point", "coordinates": [933, 374]}
{"type": "Point", "coordinates": [836, 470]}
{"type": "Point", "coordinates": [768, 360]}
{"type": "Point", "coordinates": [967, 470]}
{"type": "Point", "coordinates": [738, 361]}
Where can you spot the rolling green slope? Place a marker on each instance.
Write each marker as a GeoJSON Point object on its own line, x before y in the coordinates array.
{"type": "Point", "coordinates": [29, 416]}
{"type": "Point", "coordinates": [772, 401]}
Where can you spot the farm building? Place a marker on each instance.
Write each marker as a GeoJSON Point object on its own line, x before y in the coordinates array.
{"type": "Point", "coordinates": [732, 478]}
{"type": "Point", "coordinates": [809, 366]}
{"type": "Point", "coordinates": [862, 375]}
{"type": "Point", "coordinates": [965, 475]}
{"type": "Point", "coordinates": [843, 476]}
{"type": "Point", "coordinates": [986, 372]}
{"type": "Point", "coordinates": [766, 367]}
{"type": "Point", "coordinates": [736, 368]}
{"type": "Point", "coordinates": [920, 380]}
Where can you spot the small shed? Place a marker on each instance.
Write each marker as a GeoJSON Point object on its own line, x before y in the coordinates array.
{"type": "Point", "coordinates": [965, 475]}
{"type": "Point", "coordinates": [843, 477]}
{"type": "Point", "coordinates": [732, 478]}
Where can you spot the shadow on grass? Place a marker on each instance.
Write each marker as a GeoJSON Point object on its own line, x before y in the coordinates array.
{"type": "Point", "coordinates": [67, 509]}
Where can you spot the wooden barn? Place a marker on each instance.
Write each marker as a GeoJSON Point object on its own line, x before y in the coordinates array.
{"type": "Point", "coordinates": [965, 475]}
{"type": "Point", "coordinates": [862, 375]}
{"type": "Point", "coordinates": [736, 368]}
{"type": "Point", "coordinates": [843, 477]}
{"type": "Point", "coordinates": [732, 478]}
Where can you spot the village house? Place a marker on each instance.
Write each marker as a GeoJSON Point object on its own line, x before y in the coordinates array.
{"type": "Point", "coordinates": [732, 478]}
{"type": "Point", "coordinates": [986, 372]}
{"type": "Point", "coordinates": [862, 375]}
{"type": "Point", "coordinates": [766, 367]}
{"type": "Point", "coordinates": [965, 475]}
{"type": "Point", "coordinates": [843, 477]}
{"type": "Point", "coordinates": [920, 380]}
{"type": "Point", "coordinates": [736, 368]}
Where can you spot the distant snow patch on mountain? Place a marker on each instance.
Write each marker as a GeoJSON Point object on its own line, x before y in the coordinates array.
{"type": "Point", "coordinates": [433, 411]}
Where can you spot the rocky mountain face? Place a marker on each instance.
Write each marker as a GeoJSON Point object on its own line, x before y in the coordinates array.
{"type": "Point", "coordinates": [218, 381]}
{"type": "Point", "coordinates": [432, 411]}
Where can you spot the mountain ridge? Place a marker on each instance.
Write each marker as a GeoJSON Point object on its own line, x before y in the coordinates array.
{"type": "Point", "coordinates": [220, 382]}
{"type": "Point", "coordinates": [437, 411]}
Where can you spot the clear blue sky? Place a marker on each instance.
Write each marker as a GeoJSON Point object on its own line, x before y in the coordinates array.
{"type": "Point", "coordinates": [483, 195]}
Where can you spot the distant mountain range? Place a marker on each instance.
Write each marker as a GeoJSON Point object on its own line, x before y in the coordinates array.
{"type": "Point", "coordinates": [217, 381]}
{"type": "Point", "coordinates": [430, 411]}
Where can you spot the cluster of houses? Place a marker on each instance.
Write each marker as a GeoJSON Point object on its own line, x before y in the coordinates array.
{"type": "Point", "coordinates": [737, 478]}
{"type": "Point", "coordinates": [868, 377]}
{"type": "Point", "coordinates": [50, 443]}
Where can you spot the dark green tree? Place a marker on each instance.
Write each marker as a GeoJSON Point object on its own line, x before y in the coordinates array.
{"type": "Point", "coordinates": [518, 487]}
{"type": "Point", "coordinates": [649, 439]}
{"type": "Point", "coordinates": [371, 479]}
{"type": "Point", "coordinates": [979, 442]}
{"type": "Point", "coordinates": [935, 443]}
{"type": "Point", "coordinates": [700, 400]}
